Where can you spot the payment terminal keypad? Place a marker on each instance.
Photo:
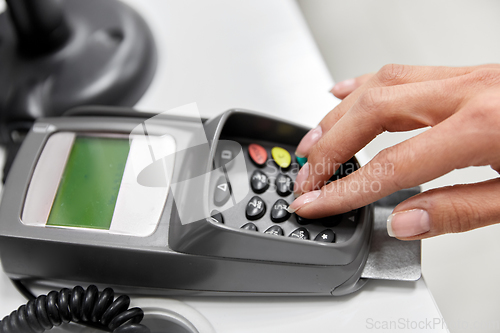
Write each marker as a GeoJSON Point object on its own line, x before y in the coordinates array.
{"type": "Point", "coordinates": [272, 169]}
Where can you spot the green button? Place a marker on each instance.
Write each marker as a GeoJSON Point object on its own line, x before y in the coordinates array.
{"type": "Point", "coordinates": [301, 160]}
{"type": "Point", "coordinates": [281, 157]}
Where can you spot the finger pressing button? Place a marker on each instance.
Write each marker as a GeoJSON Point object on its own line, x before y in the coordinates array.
{"type": "Point", "coordinates": [279, 211]}
{"type": "Point", "coordinates": [302, 220]}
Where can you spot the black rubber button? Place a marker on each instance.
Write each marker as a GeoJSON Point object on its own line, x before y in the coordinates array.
{"type": "Point", "coordinates": [274, 230]}
{"type": "Point", "coordinates": [326, 236]}
{"type": "Point", "coordinates": [331, 221]}
{"type": "Point", "coordinates": [259, 182]}
{"type": "Point", "coordinates": [222, 191]}
{"type": "Point", "coordinates": [300, 233]}
{"type": "Point", "coordinates": [217, 216]}
{"type": "Point", "coordinates": [284, 185]}
{"type": "Point", "coordinates": [302, 220]}
{"type": "Point", "coordinates": [256, 208]}
{"type": "Point", "coordinates": [279, 212]}
{"type": "Point", "coordinates": [250, 226]}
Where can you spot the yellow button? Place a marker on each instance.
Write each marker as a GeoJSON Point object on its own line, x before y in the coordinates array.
{"type": "Point", "coordinates": [281, 157]}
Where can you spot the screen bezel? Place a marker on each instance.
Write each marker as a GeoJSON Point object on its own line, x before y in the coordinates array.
{"type": "Point", "coordinates": [138, 208]}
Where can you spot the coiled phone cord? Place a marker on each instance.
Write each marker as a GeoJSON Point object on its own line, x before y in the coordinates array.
{"type": "Point", "coordinates": [87, 307]}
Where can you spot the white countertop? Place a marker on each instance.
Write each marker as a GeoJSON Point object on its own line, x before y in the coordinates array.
{"type": "Point", "coordinates": [259, 55]}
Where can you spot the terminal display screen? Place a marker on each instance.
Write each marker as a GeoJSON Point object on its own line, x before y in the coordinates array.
{"type": "Point", "coordinates": [87, 193]}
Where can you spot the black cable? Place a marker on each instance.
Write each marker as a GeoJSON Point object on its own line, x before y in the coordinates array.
{"type": "Point", "coordinates": [87, 307]}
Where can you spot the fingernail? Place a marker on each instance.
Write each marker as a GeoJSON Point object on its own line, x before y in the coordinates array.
{"type": "Point", "coordinates": [302, 200]}
{"type": "Point", "coordinates": [301, 177]}
{"type": "Point", "coordinates": [308, 141]}
{"type": "Point", "coordinates": [344, 85]}
{"type": "Point", "coordinates": [408, 223]}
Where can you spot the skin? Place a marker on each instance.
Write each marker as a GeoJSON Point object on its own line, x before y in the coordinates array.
{"type": "Point", "coordinates": [461, 107]}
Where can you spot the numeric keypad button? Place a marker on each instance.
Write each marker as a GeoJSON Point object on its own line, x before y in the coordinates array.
{"type": "Point", "coordinates": [250, 226]}
{"type": "Point", "coordinates": [279, 212]}
{"type": "Point", "coordinates": [300, 233]}
{"type": "Point", "coordinates": [256, 208]}
{"type": "Point", "coordinates": [259, 182]}
{"type": "Point", "coordinates": [302, 220]}
{"type": "Point", "coordinates": [274, 230]}
{"type": "Point", "coordinates": [284, 185]}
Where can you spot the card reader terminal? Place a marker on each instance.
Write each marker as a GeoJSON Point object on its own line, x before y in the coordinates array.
{"type": "Point", "coordinates": [170, 205]}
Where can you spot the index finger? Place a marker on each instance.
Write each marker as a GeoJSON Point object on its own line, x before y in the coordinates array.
{"type": "Point", "coordinates": [405, 165]}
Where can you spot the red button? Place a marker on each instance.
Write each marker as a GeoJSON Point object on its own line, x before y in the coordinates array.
{"type": "Point", "coordinates": [257, 153]}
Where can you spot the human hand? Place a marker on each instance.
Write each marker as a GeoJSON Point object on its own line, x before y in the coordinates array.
{"type": "Point", "coordinates": [343, 89]}
{"type": "Point", "coordinates": [462, 107]}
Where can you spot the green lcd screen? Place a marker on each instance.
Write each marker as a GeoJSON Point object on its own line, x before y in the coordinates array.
{"type": "Point", "coordinates": [89, 186]}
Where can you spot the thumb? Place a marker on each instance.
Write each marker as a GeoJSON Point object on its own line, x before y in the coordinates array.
{"type": "Point", "coordinates": [445, 210]}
